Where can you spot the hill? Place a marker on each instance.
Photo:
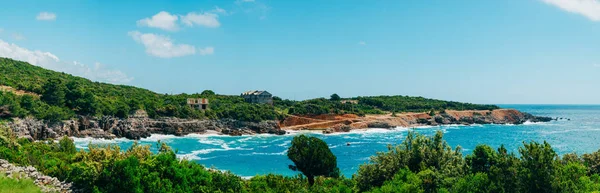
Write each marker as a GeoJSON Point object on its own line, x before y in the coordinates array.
{"type": "Point", "coordinates": [59, 96]}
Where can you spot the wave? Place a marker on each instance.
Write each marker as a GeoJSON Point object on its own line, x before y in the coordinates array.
{"type": "Point", "coordinates": [244, 139]}
{"type": "Point", "coordinates": [92, 140]}
{"type": "Point", "coordinates": [262, 153]}
{"type": "Point", "coordinates": [195, 155]}
{"type": "Point", "coordinates": [284, 143]}
{"type": "Point", "coordinates": [83, 142]}
{"type": "Point", "coordinates": [207, 134]}
{"type": "Point", "coordinates": [158, 137]}
{"type": "Point", "coordinates": [211, 141]}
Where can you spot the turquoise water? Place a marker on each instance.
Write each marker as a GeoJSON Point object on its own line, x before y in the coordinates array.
{"type": "Point", "coordinates": [262, 154]}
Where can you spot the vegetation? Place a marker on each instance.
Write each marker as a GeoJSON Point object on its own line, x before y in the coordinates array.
{"type": "Point", "coordinates": [312, 157]}
{"type": "Point", "coordinates": [428, 164]}
{"type": "Point", "coordinates": [55, 96]}
{"type": "Point", "coordinates": [418, 164]}
{"type": "Point", "coordinates": [10, 185]}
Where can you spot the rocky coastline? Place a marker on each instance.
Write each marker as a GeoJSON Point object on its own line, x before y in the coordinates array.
{"type": "Point", "coordinates": [345, 123]}
{"type": "Point", "coordinates": [137, 128]}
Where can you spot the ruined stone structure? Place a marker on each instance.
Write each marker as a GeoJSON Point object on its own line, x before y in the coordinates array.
{"type": "Point", "coordinates": [198, 103]}
{"type": "Point", "coordinates": [255, 96]}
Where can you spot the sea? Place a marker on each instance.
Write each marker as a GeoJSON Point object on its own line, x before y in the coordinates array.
{"type": "Point", "coordinates": [247, 156]}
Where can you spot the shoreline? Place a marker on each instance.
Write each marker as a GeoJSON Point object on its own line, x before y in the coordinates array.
{"type": "Point", "coordinates": [143, 128]}
{"type": "Point", "coordinates": [157, 136]}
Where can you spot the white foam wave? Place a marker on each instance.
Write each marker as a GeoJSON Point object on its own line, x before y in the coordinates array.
{"type": "Point", "coordinates": [211, 141]}
{"type": "Point", "coordinates": [285, 143]}
{"type": "Point", "coordinates": [244, 139]}
{"type": "Point", "coordinates": [208, 134]}
{"type": "Point", "coordinates": [87, 140]}
{"type": "Point", "coordinates": [536, 123]}
{"type": "Point", "coordinates": [333, 146]}
{"type": "Point", "coordinates": [262, 153]}
{"type": "Point", "coordinates": [157, 137]}
{"type": "Point", "coordinates": [195, 155]}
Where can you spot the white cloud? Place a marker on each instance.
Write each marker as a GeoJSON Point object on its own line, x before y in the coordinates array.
{"type": "Point", "coordinates": [206, 51]}
{"type": "Point", "coordinates": [99, 72]}
{"type": "Point", "coordinates": [362, 43]}
{"type": "Point", "coordinates": [253, 7]}
{"type": "Point", "coordinates": [18, 36]}
{"type": "Point", "coordinates": [163, 47]}
{"type": "Point", "coordinates": [219, 10]}
{"type": "Point", "coordinates": [50, 61]}
{"type": "Point", "coordinates": [163, 20]}
{"type": "Point", "coordinates": [46, 16]}
{"type": "Point", "coordinates": [587, 8]}
{"type": "Point", "coordinates": [202, 19]}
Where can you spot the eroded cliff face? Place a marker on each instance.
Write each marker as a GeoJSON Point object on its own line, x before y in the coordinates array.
{"type": "Point", "coordinates": [135, 128]}
{"type": "Point", "coordinates": [337, 123]}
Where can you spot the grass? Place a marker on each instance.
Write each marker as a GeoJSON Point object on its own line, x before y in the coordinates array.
{"type": "Point", "coordinates": [9, 185]}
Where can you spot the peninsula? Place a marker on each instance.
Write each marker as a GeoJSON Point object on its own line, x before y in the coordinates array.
{"type": "Point", "coordinates": [42, 104]}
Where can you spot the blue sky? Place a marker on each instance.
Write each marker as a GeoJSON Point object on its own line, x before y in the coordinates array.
{"type": "Point", "coordinates": [510, 51]}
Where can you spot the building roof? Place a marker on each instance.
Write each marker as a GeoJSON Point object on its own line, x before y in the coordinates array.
{"type": "Point", "coordinates": [255, 92]}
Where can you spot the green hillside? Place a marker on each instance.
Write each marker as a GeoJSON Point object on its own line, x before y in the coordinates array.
{"type": "Point", "coordinates": [62, 96]}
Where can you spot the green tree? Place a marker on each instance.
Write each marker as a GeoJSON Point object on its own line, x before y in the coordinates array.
{"type": "Point", "coordinates": [538, 167]}
{"type": "Point", "coordinates": [54, 92]}
{"type": "Point", "coordinates": [482, 159]}
{"type": "Point", "coordinates": [67, 145]}
{"type": "Point", "coordinates": [335, 97]}
{"type": "Point", "coordinates": [504, 173]}
{"type": "Point", "coordinates": [207, 93]}
{"type": "Point", "coordinates": [312, 157]}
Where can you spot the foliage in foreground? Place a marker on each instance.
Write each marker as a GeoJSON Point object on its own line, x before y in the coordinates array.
{"type": "Point", "coordinates": [10, 185]}
{"type": "Point", "coordinates": [418, 164]}
{"type": "Point", "coordinates": [428, 164]}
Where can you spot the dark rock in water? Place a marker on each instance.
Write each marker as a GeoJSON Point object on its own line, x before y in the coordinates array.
{"type": "Point", "coordinates": [384, 125]}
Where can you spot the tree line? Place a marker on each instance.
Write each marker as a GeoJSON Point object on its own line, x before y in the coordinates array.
{"type": "Point", "coordinates": [59, 96]}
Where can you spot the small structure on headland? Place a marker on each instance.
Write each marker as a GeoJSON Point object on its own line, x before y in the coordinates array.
{"type": "Point", "coordinates": [139, 114]}
{"type": "Point", "coordinates": [349, 101]}
{"type": "Point", "coordinates": [198, 103]}
{"type": "Point", "coordinates": [256, 96]}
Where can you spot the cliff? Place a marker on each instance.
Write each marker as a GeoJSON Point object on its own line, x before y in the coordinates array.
{"type": "Point", "coordinates": [337, 123]}
{"type": "Point", "coordinates": [135, 128]}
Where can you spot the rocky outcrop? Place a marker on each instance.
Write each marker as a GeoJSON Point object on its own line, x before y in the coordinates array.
{"type": "Point", "coordinates": [334, 123]}
{"type": "Point", "coordinates": [498, 116]}
{"type": "Point", "coordinates": [46, 183]}
{"type": "Point", "coordinates": [135, 128]}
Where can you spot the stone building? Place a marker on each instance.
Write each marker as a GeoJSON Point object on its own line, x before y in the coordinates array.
{"type": "Point", "coordinates": [198, 103]}
{"type": "Point", "coordinates": [255, 96]}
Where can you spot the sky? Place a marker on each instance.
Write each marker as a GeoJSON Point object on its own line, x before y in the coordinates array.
{"type": "Point", "coordinates": [492, 52]}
